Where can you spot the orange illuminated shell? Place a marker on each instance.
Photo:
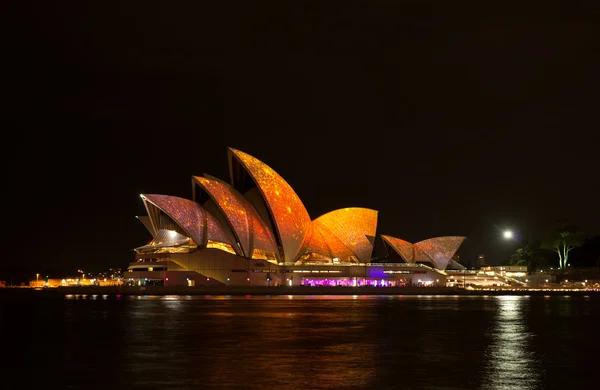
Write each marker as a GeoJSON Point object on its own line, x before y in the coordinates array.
{"type": "Point", "coordinates": [355, 227]}
{"type": "Point", "coordinates": [440, 249]}
{"type": "Point", "coordinates": [324, 242]}
{"type": "Point", "coordinates": [265, 219]}
{"type": "Point", "coordinates": [244, 220]}
{"type": "Point", "coordinates": [193, 219]}
{"type": "Point", "coordinates": [292, 222]}
{"type": "Point", "coordinates": [317, 243]}
{"type": "Point", "coordinates": [403, 248]}
{"type": "Point", "coordinates": [422, 257]}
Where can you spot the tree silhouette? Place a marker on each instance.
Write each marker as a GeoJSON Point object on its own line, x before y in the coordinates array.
{"type": "Point", "coordinates": [532, 255]}
{"type": "Point", "coordinates": [562, 239]}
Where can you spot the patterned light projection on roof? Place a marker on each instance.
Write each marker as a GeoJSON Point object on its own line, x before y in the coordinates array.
{"type": "Point", "coordinates": [441, 249]}
{"type": "Point", "coordinates": [316, 243]}
{"type": "Point", "coordinates": [352, 226]}
{"type": "Point", "coordinates": [325, 243]}
{"type": "Point", "coordinates": [335, 246]}
{"type": "Point", "coordinates": [403, 248]}
{"type": "Point", "coordinates": [422, 257]}
{"type": "Point", "coordinates": [191, 217]}
{"type": "Point", "coordinates": [438, 251]}
{"type": "Point", "coordinates": [187, 214]}
{"type": "Point", "coordinates": [242, 217]}
{"type": "Point", "coordinates": [216, 232]}
{"type": "Point", "coordinates": [291, 218]}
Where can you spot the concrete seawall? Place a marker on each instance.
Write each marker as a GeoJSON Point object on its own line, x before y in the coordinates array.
{"type": "Point", "coordinates": [259, 290]}
{"type": "Point", "coordinates": [300, 290]}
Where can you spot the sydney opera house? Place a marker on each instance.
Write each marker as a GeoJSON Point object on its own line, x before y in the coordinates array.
{"type": "Point", "coordinates": [255, 231]}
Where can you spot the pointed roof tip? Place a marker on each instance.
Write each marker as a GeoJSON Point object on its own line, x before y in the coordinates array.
{"type": "Point", "coordinates": [392, 238]}
{"type": "Point", "coordinates": [231, 152]}
{"type": "Point", "coordinates": [239, 153]}
{"type": "Point", "coordinates": [149, 196]}
{"type": "Point", "coordinates": [204, 176]}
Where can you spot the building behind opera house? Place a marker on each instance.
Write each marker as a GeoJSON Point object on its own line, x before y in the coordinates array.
{"type": "Point", "coordinates": [255, 231]}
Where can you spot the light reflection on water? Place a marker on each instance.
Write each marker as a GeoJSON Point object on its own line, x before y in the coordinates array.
{"type": "Point", "coordinates": [302, 342]}
{"type": "Point", "coordinates": [511, 362]}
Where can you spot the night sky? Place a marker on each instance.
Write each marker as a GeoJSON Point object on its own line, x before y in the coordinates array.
{"type": "Point", "coordinates": [450, 118]}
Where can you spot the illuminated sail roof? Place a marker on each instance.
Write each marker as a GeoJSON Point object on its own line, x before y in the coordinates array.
{"type": "Point", "coordinates": [244, 220]}
{"type": "Point", "coordinates": [324, 242]}
{"type": "Point", "coordinates": [292, 222]}
{"type": "Point", "coordinates": [260, 216]}
{"type": "Point", "coordinates": [316, 243]}
{"type": "Point", "coordinates": [354, 226]}
{"type": "Point", "coordinates": [337, 247]}
{"type": "Point", "coordinates": [440, 249]}
{"type": "Point", "coordinates": [196, 222]}
{"type": "Point", "coordinates": [215, 231]}
{"type": "Point", "coordinates": [422, 257]}
{"type": "Point", "coordinates": [403, 248]}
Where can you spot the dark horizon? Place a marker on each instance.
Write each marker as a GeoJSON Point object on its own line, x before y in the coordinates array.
{"type": "Point", "coordinates": [448, 119]}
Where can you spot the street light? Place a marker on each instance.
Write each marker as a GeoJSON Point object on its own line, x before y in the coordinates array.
{"type": "Point", "coordinates": [521, 236]}
{"type": "Point", "coordinates": [508, 235]}
{"type": "Point", "coordinates": [37, 279]}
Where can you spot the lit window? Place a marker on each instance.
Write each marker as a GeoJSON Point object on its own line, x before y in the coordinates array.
{"type": "Point", "coordinates": [264, 255]}
{"type": "Point", "coordinates": [220, 245]}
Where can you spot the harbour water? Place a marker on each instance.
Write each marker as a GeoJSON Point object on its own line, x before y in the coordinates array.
{"type": "Point", "coordinates": [299, 342]}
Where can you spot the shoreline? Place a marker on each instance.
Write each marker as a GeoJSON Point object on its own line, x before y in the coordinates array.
{"type": "Point", "coordinates": [282, 290]}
